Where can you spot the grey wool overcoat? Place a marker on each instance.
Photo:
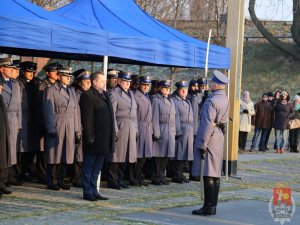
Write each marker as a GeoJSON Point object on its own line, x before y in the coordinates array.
{"type": "Point", "coordinates": [125, 111]}
{"type": "Point", "coordinates": [185, 128]}
{"type": "Point", "coordinates": [60, 109]}
{"type": "Point", "coordinates": [12, 100]}
{"type": "Point", "coordinates": [164, 126]}
{"type": "Point", "coordinates": [215, 110]}
{"type": "Point", "coordinates": [144, 118]}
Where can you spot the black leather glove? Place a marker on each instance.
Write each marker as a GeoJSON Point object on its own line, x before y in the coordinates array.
{"type": "Point", "coordinates": [78, 138]}
{"type": "Point", "coordinates": [155, 138]}
{"type": "Point", "coordinates": [51, 134]}
{"type": "Point", "coordinates": [177, 136]}
{"type": "Point", "coordinates": [203, 153]}
{"type": "Point", "coordinates": [90, 143]}
{"type": "Point", "coordinates": [246, 111]}
{"type": "Point", "coordinates": [137, 135]}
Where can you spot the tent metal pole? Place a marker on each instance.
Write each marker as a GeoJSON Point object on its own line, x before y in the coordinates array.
{"type": "Point", "coordinates": [141, 70]}
{"type": "Point", "coordinates": [105, 66]}
{"type": "Point", "coordinates": [93, 67]}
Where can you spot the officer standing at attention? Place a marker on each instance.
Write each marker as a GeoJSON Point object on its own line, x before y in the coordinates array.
{"type": "Point", "coordinates": [210, 141]}
{"type": "Point", "coordinates": [125, 110]}
{"type": "Point", "coordinates": [144, 117]}
{"type": "Point", "coordinates": [27, 137]}
{"type": "Point", "coordinates": [134, 85]}
{"type": "Point", "coordinates": [164, 130]}
{"type": "Point", "coordinates": [184, 132]}
{"type": "Point", "coordinates": [62, 128]}
{"type": "Point", "coordinates": [4, 146]}
{"type": "Point", "coordinates": [51, 78]}
{"type": "Point", "coordinates": [16, 69]}
{"type": "Point", "coordinates": [83, 79]}
{"type": "Point", "coordinates": [195, 98]}
{"type": "Point", "coordinates": [11, 94]}
{"type": "Point", "coordinates": [112, 79]}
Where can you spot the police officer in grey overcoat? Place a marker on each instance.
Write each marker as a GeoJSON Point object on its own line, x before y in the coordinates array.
{"type": "Point", "coordinates": [83, 80]}
{"type": "Point", "coordinates": [195, 98]}
{"type": "Point", "coordinates": [12, 99]}
{"type": "Point", "coordinates": [184, 132]}
{"type": "Point", "coordinates": [112, 79]}
{"type": "Point", "coordinates": [144, 118]}
{"type": "Point", "coordinates": [210, 141]}
{"type": "Point", "coordinates": [51, 77]}
{"type": "Point", "coordinates": [4, 146]}
{"type": "Point", "coordinates": [60, 108]}
{"type": "Point", "coordinates": [164, 131]}
{"type": "Point", "coordinates": [125, 110]}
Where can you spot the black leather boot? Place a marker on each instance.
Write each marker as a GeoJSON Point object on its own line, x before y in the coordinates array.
{"type": "Point", "coordinates": [209, 207]}
{"type": "Point", "coordinates": [217, 189]}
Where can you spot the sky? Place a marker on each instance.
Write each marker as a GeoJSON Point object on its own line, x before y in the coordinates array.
{"type": "Point", "coordinates": [281, 10]}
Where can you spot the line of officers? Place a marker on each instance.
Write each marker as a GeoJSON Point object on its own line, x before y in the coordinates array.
{"type": "Point", "coordinates": [155, 130]}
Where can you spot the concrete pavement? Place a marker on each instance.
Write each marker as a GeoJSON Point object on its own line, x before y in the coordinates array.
{"type": "Point", "coordinates": [241, 201]}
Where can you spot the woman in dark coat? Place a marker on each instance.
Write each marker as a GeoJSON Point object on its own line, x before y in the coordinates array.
{"type": "Point", "coordinates": [295, 133]}
{"type": "Point", "coordinates": [283, 111]}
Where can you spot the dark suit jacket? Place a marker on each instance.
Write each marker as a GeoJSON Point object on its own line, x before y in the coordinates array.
{"type": "Point", "coordinates": [97, 119]}
{"type": "Point", "coordinates": [4, 134]}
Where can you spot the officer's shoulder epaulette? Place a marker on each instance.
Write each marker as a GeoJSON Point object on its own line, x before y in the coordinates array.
{"type": "Point", "coordinates": [154, 96]}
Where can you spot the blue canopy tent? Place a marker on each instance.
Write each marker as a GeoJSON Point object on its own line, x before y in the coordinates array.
{"type": "Point", "coordinates": [125, 17]}
{"type": "Point", "coordinates": [29, 30]}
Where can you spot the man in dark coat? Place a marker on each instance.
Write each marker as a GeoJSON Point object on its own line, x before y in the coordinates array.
{"type": "Point", "coordinates": [262, 122]}
{"type": "Point", "coordinates": [4, 146]}
{"type": "Point", "coordinates": [60, 109]}
{"type": "Point", "coordinates": [97, 118]}
{"type": "Point", "coordinates": [210, 141]}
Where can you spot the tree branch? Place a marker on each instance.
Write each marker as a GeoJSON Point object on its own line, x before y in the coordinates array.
{"type": "Point", "coordinates": [286, 47]}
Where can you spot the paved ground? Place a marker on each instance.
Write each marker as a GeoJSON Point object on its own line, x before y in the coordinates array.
{"type": "Point", "coordinates": [242, 201]}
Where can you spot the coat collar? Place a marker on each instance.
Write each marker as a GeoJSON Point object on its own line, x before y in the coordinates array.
{"type": "Point", "coordinates": [61, 90]}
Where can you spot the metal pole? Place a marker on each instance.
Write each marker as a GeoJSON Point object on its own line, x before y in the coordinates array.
{"type": "Point", "coordinates": [141, 70]}
{"type": "Point", "coordinates": [93, 67]}
{"type": "Point", "coordinates": [105, 66]}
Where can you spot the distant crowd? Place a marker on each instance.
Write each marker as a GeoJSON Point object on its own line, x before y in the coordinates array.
{"type": "Point", "coordinates": [274, 111]}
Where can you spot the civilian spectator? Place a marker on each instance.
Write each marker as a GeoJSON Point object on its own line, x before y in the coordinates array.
{"type": "Point", "coordinates": [283, 111]}
{"type": "Point", "coordinates": [295, 133]}
{"type": "Point", "coordinates": [246, 111]}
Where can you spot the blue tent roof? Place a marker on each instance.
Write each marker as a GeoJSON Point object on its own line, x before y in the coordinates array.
{"type": "Point", "coordinates": [125, 17]}
{"type": "Point", "coordinates": [28, 29]}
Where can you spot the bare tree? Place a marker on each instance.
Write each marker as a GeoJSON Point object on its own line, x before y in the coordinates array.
{"type": "Point", "coordinates": [209, 14]}
{"type": "Point", "coordinates": [290, 48]}
{"type": "Point", "coordinates": [53, 4]}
